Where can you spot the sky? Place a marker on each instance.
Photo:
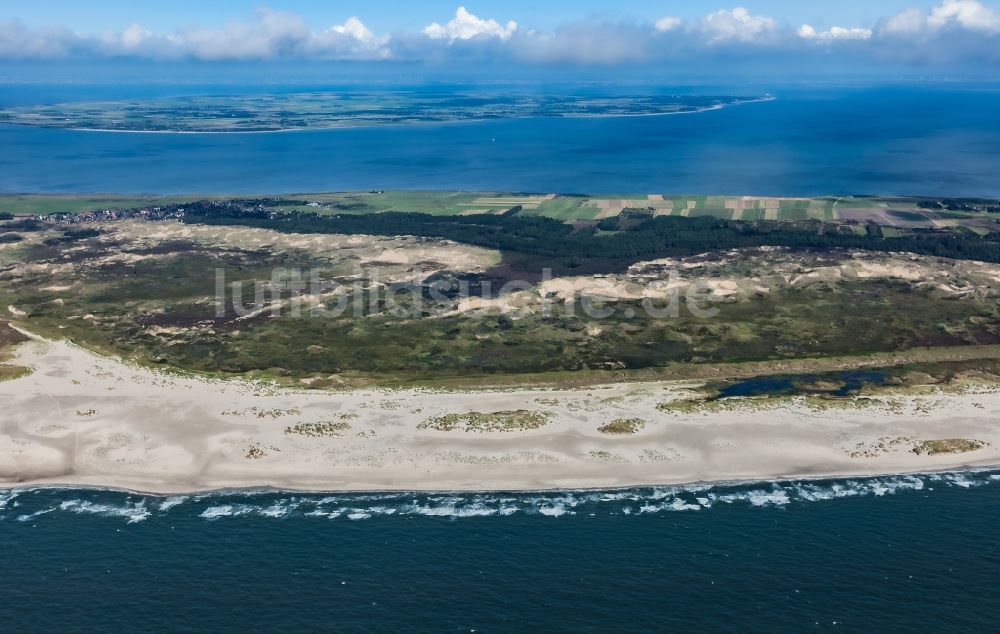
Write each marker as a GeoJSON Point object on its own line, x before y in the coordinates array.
{"type": "Point", "coordinates": [100, 16]}
{"type": "Point", "coordinates": [958, 35]}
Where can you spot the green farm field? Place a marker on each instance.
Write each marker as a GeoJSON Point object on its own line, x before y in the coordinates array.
{"type": "Point", "coordinates": [567, 207]}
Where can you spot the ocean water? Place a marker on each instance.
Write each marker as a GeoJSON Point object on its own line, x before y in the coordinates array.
{"type": "Point", "coordinates": [902, 553]}
{"type": "Point", "coordinates": [813, 140]}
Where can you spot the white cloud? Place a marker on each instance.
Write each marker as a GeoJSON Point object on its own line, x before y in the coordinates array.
{"type": "Point", "coordinates": [807, 32]}
{"type": "Point", "coordinates": [466, 26]}
{"type": "Point", "coordinates": [135, 35]}
{"type": "Point", "coordinates": [267, 35]}
{"type": "Point", "coordinates": [591, 42]}
{"type": "Point", "coordinates": [668, 23]}
{"type": "Point", "coordinates": [136, 40]}
{"type": "Point", "coordinates": [270, 34]}
{"type": "Point", "coordinates": [737, 25]}
{"type": "Point", "coordinates": [969, 15]}
{"type": "Point", "coordinates": [17, 41]}
{"type": "Point", "coordinates": [909, 21]}
{"type": "Point", "coordinates": [355, 29]}
{"type": "Point", "coordinates": [953, 31]}
{"type": "Point", "coordinates": [965, 31]}
{"type": "Point", "coordinates": [350, 40]}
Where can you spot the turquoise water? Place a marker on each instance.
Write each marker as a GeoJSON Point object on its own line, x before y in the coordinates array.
{"type": "Point", "coordinates": [810, 141]}
{"type": "Point", "coordinates": [905, 553]}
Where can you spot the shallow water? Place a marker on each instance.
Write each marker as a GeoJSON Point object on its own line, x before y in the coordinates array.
{"type": "Point", "coordinates": [787, 384]}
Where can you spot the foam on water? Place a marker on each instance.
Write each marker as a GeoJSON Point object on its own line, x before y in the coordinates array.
{"type": "Point", "coordinates": [30, 516]}
{"type": "Point", "coordinates": [640, 501]}
{"type": "Point", "coordinates": [6, 497]}
{"type": "Point", "coordinates": [172, 501]}
{"type": "Point", "coordinates": [132, 511]}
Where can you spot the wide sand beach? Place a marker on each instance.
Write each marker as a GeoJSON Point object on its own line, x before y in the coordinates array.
{"type": "Point", "coordinates": [82, 419]}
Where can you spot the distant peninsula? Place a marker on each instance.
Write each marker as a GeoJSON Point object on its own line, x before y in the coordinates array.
{"type": "Point", "coordinates": [323, 110]}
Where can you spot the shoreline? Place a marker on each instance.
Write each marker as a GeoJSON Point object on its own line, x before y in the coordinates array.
{"type": "Point", "coordinates": [712, 108]}
{"type": "Point", "coordinates": [969, 468]}
{"type": "Point", "coordinates": [82, 420]}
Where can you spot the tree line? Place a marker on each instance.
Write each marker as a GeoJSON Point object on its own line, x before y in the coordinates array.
{"type": "Point", "coordinates": [649, 238]}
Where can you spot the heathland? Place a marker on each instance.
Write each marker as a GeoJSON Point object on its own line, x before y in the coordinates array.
{"type": "Point", "coordinates": [468, 335]}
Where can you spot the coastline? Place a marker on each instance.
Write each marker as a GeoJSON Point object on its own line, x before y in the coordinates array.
{"type": "Point", "coordinates": [83, 420]}
{"type": "Point", "coordinates": [137, 488]}
{"type": "Point", "coordinates": [400, 123]}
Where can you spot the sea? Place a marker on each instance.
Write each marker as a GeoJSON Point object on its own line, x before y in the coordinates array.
{"type": "Point", "coordinates": [901, 553]}
{"type": "Point", "coordinates": [909, 553]}
{"type": "Point", "coordinates": [900, 139]}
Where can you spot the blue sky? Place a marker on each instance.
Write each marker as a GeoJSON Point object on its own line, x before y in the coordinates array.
{"type": "Point", "coordinates": [961, 35]}
{"type": "Point", "coordinates": [97, 16]}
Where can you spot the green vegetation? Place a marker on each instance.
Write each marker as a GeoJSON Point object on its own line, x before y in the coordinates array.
{"type": "Point", "coordinates": [310, 110]}
{"type": "Point", "coordinates": [785, 325]}
{"type": "Point", "coordinates": [568, 249]}
{"type": "Point", "coordinates": [516, 420]}
{"type": "Point", "coordinates": [9, 339]}
{"type": "Point", "coordinates": [623, 426]}
{"type": "Point", "coordinates": [907, 215]}
{"type": "Point", "coordinates": [152, 301]}
{"type": "Point", "coordinates": [948, 445]}
{"type": "Point", "coordinates": [841, 390]}
{"type": "Point", "coordinates": [158, 308]}
{"type": "Point", "coordinates": [263, 413]}
{"type": "Point", "coordinates": [688, 405]}
{"type": "Point", "coordinates": [317, 430]}
{"type": "Point", "coordinates": [820, 403]}
{"type": "Point", "coordinates": [11, 372]}
{"type": "Point", "coordinates": [758, 404]}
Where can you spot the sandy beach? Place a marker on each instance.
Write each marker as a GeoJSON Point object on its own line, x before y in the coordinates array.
{"type": "Point", "coordinates": [83, 419]}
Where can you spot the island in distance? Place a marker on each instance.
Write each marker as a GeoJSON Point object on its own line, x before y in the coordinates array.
{"type": "Point", "coordinates": [275, 112]}
{"type": "Point", "coordinates": [455, 340]}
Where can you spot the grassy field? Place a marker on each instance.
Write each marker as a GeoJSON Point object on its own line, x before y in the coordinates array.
{"type": "Point", "coordinates": [562, 207]}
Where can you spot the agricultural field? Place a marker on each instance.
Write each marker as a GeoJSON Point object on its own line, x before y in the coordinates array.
{"type": "Point", "coordinates": [899, 214]}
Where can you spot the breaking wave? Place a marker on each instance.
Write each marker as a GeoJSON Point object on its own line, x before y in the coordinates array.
{"type": "Point", "coordinates": [30, 505]}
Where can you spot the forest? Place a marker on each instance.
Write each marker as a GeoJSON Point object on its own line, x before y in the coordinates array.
{"type": "Point", "coordinates": [606, 246]}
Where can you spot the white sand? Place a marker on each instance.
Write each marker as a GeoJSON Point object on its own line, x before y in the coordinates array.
{"type": "Point", "coordinates": [83, 419]}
